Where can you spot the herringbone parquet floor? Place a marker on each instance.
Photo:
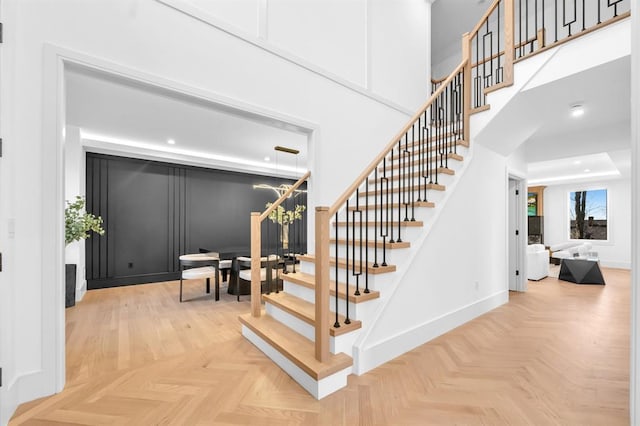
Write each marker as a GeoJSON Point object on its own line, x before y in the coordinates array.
{"type": "Point", "coordinates": [556, 355]}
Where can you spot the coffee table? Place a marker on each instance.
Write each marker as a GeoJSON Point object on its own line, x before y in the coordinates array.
{"type": "Point", "coordinates": [581, 271]}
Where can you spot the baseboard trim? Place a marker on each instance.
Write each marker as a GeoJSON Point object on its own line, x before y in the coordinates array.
{"type": "Point", "coordinates": [614, 264]}
{"type": "Point", "coordinates": [376, 354]}
{"type": "Point", "coordinates": [80, 292]}
{"type": "Point", "coordinates": [24, 388]}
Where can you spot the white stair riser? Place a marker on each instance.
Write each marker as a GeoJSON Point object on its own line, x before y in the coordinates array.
{"type": "Point", "coordinates": [378, 282]}
{"type": "Point", "coordinates": [343, 343]}
{"type": "Point", "coordinates": [356, 310]}
{"type": "Point", "coordinates": [406, 233]}
{"type": "Point", "coordinates": [318, 388]}
{"type": "Point", "coordinates": [393, 256]}
{"type": "Point", "coordinates": [432, 195]}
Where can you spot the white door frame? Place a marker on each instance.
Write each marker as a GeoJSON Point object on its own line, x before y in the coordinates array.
{"type": "Point", "coordinates": [56, 60]}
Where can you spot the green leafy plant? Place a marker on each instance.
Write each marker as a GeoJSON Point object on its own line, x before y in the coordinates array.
{"type": "Point", "coordinates": [285, 217]}
{"type": "Point", "coordinates": [78, 223]}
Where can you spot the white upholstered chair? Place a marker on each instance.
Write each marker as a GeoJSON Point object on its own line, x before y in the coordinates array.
{"type": "Point", "coordinates": [537, 262]}
{"type": "Point", "coordinates": [202, 266]}
{"type": "Point", "coordinates": [240, 276]}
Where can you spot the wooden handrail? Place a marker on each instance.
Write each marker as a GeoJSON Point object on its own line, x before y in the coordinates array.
{"type": "Point", "coordinates": [374, 163]}
{"type": "Point", "coordinates": [284, 196]}
{"type": "Point", "coordinates": [438, 80]}
{"type": "Point", "coordinates": [486, 16]}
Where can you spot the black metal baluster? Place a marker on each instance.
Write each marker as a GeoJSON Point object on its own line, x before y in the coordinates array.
{"type": "Point", "coordinates": [389, 205]}
{"type": "Point", "coordinates": [544, 28]}
{"type": "Point", "coordinates": [401, 161]}
{"type": "Point", "coordinates": [336, 324]}
{"type": "Point", "coordinates": [556, 24]}
{"type": "Point", "coordinates": [357, 292]}
{"type": "Point", "coordinates": [519, 48]}
{"type": "Point", "coordinates": [477, 88]}
{"type": "Point", "coordinates": [583, 20]}
{"type": "Point", "coordinates": [407, 164]}
{"type": "Point", "coordinates": [413, 186]}
{"type": "Point", "coordinates": [498, 78]}
{"type": "Point", "coordinates": [526, 20]}
{"type": "Point", "coordinates": [375, 216]}
{"type": "Point", "coordinates": [420, 142]}
{"type": "Point", "coordinates": [346, 253]}
{"type": "Point", "coordinates": [384, 182]}
{"type": "Point", "coordinates": [535, 23]}
{"type": "Point", "coordinates": [366, 239]}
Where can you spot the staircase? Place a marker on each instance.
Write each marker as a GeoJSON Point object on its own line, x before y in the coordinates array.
{"type": "Point", "coordinates": [364, 241]}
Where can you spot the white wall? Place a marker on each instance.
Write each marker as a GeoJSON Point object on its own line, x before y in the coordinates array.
{"type": "Point", "coordinates": [436, 294]}
{"type": "Point", "coordinates": [381, 46]}
{"type": "Point", "coordinates": [614, 253]}
{"type": "Point", "coordinates": [329, 33]}
{"type": "Point", "coordinates": [400, 62]}
{"type": "Point", "coordinates": [150, 41]}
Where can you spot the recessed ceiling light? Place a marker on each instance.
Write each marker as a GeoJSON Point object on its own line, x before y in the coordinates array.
{"type": "Point", "coordinates": [576, 162]}
{"type": "Point", "coordinates": [267, 158]}
{"type": "Point", "coordinates": [577, 110]}
{"type": "Point", "coordinates": [171, 142]}
{"type": "Point", "coordinates": [587, 170]}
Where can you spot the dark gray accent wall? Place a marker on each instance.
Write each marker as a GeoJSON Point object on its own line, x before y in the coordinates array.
{"type": "Point", "coordinates": [153, 212]}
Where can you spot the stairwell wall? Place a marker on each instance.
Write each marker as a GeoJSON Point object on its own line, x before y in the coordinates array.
{"type": "Point", "coordinates": [456, 274]}
{"type": "Point", "coordinates": [158, 45]}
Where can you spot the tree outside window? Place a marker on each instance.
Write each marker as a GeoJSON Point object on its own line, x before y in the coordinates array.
{"type": "Point", "coordinates": [588, 215]}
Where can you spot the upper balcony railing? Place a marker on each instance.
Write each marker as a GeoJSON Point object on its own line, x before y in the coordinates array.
{"type": "Point", "coordinates": [540, 24]}
{"type": "Point", "coordinates": [512, 30]}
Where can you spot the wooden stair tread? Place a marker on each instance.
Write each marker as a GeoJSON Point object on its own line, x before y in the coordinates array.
{"type": "Point", "coordinates": [401, 245]}
{"type": "Point", "coordinates": [421, 143]}
{"type": "Point", "coordinates": [306, 311]}
{"type": "Point", "coordinates": [342, 263]}
{"type": "Point", "coordinates": [396, 176]}
{"type": "Point", "coordinates": [416, 188]}
{"type": "Point", "coordinates": [479, 109]}
{"type": "Point", "coordinates": [395, 165]}
{"type": "Point", "coordinates": [309, 281]}
{"type": "Point", "coordinates": [428, 204]}
{"type": "Point", "coordinates": [403, 223]}
{"type": "Point", "coordinates": [295, 347]}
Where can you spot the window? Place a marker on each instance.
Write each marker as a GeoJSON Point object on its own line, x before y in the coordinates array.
{"type": "Point", "coordinates": [588, 215]}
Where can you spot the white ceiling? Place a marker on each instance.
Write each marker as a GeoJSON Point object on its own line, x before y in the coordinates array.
{"type": "Point", "coordinates": [124, 114]}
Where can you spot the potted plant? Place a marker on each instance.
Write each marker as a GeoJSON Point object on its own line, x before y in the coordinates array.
{"type": "Point", "coordinates": [285, 217]}
{"type": "Point", "coordinates": [77, 225]}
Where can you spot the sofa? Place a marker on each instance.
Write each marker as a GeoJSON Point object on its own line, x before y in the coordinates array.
{"type": "Point", "coordinates": [537, 262]}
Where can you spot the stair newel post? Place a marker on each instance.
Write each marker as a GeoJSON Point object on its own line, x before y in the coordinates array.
{"type": "Point", "coordinates": [322, 284]}
{"type": "Point", "coordinates": [466, 81]}
{"type": "Point", "coordinates": [255, 264]}
{"type": "Point", "coordinates": [509, 41]}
